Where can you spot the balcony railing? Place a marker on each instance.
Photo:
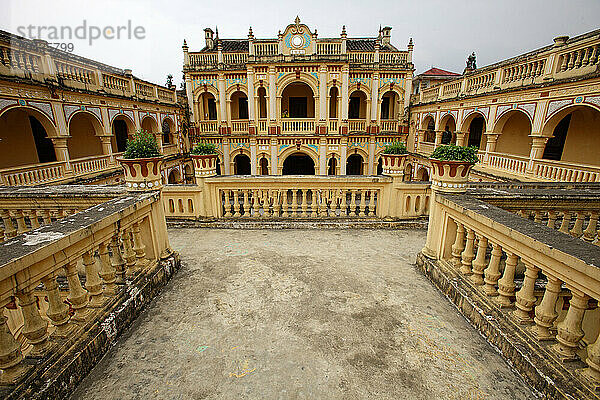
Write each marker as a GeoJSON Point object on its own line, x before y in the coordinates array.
{"type": "Point", "coordinates": [263, 125]}
{"type": "Point", "coordinates": [333, 126]}
{"type": "Point", "coordinates": [357, 125]}
{"type": "Point", "coordinates": [91, 164]}
{"type": "Point", "coordinates": [506, 162]}
{"type": "Point", "coordinates": [207, 126]}
{"type": "Point", "coordinates": [565, 172]}
{"type": "Point", "coordinates": [282, 197]}
{"type": "Point", "coordinates": [120, 248]}
{"type": "Point", "coordinates": [532, 287]}
{"type": "Point", "coordinates": [298, 125]}
{"type": "Point", "coordinates": [574, 58]}
{"type": "Point", "coordinates": [389, 126]}
{"type": "Point", "coordinates": [33, 174]}
{"type": "Point", "coordinates": [240, 126]}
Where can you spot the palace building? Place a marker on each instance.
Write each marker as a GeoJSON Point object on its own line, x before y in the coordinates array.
{"type": "Point", "coordinates": [298, 103]}
{"type": "Point", "coordinates": [69, 117]}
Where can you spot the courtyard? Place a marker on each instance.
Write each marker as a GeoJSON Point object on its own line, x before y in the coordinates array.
{"type": "Point", "coordinates": [300, 314]}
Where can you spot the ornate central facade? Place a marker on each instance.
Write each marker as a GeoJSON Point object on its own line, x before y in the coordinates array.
{"type": "Point", "coordinates": [298, 103]}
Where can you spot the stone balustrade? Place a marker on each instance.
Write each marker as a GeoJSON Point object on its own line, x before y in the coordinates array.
{"type": "Point", "coordinates": [293, 197]}
{"type": "Point", "coordinates": [69, 287]}
{"type": "Point", "coordinates": [531, 290]}
{"type": "Point", "coordinates": [565, 59]}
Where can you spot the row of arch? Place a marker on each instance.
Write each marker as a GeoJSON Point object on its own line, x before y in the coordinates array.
{"type": "Point", "coordinates": [297, 100]}
{"type": "Point", "coordinates": [28, 136]}
{"type": "Point", "coordinates": [573, 133]}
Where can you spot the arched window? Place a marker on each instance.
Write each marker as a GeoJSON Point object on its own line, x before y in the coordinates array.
{"type": "Point", "coordinates": [241, 165]}
{"type": "Point", "coordinates": [298, 164]}
{"type": "Point", "coordinates": [354, 165]}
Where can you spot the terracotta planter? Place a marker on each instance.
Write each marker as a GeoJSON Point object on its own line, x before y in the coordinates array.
{"type": "Point", "coordinates": [450, 176]}
{"type": "Point", "coordinates": [393, 164]}
{"type": "Point", "coordinates": [142, 174]}
{"type": "Point", "coordinates": [204, 165]}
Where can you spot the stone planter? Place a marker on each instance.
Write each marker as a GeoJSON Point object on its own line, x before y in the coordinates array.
{"type": "Point", "coordinates": [204, 165]}
{"type": "Point", "coordinates": [393, 164]}
{"type": "Point", "coordinates": [142, 174]}
{"type": "Point", "coordinates": [450, 176]}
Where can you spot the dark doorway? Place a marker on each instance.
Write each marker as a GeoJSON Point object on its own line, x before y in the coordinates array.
{"type": "Point", "coordinates": [264, 166]}
{"type": "Point", "coordinates": [243, 108]}
{"type": "Point", "coordinates": [298, 164]}
{"type": "Point", "coordinates": [385, 108]}
{"type": "Point", "coordinates": [212, 109]}
{"type": "Point", "coordinates": [554, 147]}
{"type": "Point", "coordinates": [166, 130]}
{"type": "Point", "coordinates": [475, 131]}
{"type": "Point", "coordinates": [354, 108]}
{"type": "Point", "coordinates": [218, 170]}
{"type": "Point", "coordinates": [380, 166]}
{"type": "Point", "coordinates": [241, 164]}
{"type": "Point", "coordinates": [43, 145]}
{"type": "Point", "coordinates": [120, 131]}
{"type": "Point", "coordinates": [331, 166]}
{"type": "Point", "coordinates": [354, 165]}
{"type": "Point", "coordinates": [298, 107]}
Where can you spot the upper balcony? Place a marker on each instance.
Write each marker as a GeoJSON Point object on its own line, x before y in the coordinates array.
{"type": "Point", "coordinates": [297, 43]}
{"type": "Point", "coordinates": [36, 60]}
{"type": "Point", "coordinates": [565, 59]}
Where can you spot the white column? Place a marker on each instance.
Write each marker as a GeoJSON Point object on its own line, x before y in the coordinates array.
{"type": "Point", "coordinates": [272, 95]}
{"type": "Point", "coordinates": [343, 156]}
{"type": "Point", "coordinates": [190, 97]}
{"type": "Point", "coordinates": [323, 93]}
{"type": "Point", "coordinates": [345, 94]}
{"type": "Point", "coordinates": [407, 92]}
{"type": "Point", "coordinates": [253, 169]}
{"type": "Point", "coordinates": [323, 156]}
{"type": "Point", "coordinates": [374, 96]}
{"type": "Point", "coordinates": [251, 115]}
{"type": "Point", "coordinates": [222, 98]}
{"type": "Point", "coordinates": [226, 165]}
{"type": "Point", "coordinates": [274, 157]}
{"type": "Point", "coordinates": [371, 155]}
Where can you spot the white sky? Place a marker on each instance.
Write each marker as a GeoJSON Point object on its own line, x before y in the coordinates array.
{"type": "Point", "coordinates": [444, 32]}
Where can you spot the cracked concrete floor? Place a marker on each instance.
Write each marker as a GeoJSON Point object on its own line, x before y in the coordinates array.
{"type": "Point", "coordinates": [298, 314]}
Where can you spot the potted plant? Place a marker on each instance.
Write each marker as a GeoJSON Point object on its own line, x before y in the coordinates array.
{"type": "Point", "coordinates": [204, 156]}
{"type": "Point", "coordinates": [450, 167]}
{"type": "Point", "coordinates": [142, 162]}
{"type": "Point", "coordinates": [393, 159]}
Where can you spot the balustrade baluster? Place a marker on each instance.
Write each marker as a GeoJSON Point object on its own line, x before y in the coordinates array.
{"type": "Point", "coordinates": [590, 232]}
{"type": "Point", "coordinates": [551, 219]}
{"type": "Point", "coordinates": [371, 204]}
{"type": "Point", "coordinates": [492, 272]}
{"type": "Point", "coordinates": [116, 260]}
{"type": "Point", "coordinates": [11, 358]}
{"type": "Point", "coordinates": [322, 206]}
{"type": "Point", "coordinates": [294, 212]}
{"type": "Point", "coordinates": [58, 311]}
{"type": "Point", "coordinates": [9, 228]}
{"type": "Point", "coordinates": [78, 296]}
{"type": "Point", "coordinates": [226, 204]}
{"type": "Point", "coordinates": [593, 362]}
{"type": "Point", "coordinates": [276, 203]}
{"type": "Point", "coordinates": [93, 283]}
{"type": "Point", "coordinates": [129, 254]}
{"type": "Point", "coordinates": [577, 230]}
{"type": "Point", "coordinates": [245, 209]}
{"type": "Point", "coordinates": [253, 203]}
{"type": "Point", "coordinates": [525, 297]}
{"type": "Point", "coordinates": [284, 204]}
{"type": "Point", "coordinates": [566, 221]}
{"type": "Point", "coordinates": [236, 203]}
{"type": "Point", "coordinates": [363, 203]}
{"type": "Point", "coordinates": [313, 203]}
{"type": "Point", "coordinates": [545, 312]}
{"type": "Point", "coordinates": [33, 219]}
{"type": "Point", "coordinates": [569, 331]}
{"type": "Point", "coordinates": [304, 204]}
{"type": "Point", "coordinates": [343, 203]}
{"type": "Point", "coordinates": [35, 328]}
{"type": "Point", "coordinates": [21, 226]}
{"type": "Point", "coordinates": [458, 246]}
{"type": "Point", "coordinates": [107, 272]}
{"type": "Point", "coordinates": [537, 216]}
{"type": "Point", "coordinates": [353, 195]}
{"type": "Point", "coordinates": [138, 247]}
{"type": "Point", "coordinates": [467, 254]}
{"type": "Point", "coordinates": [479, 262]}
{"type": "Point", "coordinates": [506, 284]}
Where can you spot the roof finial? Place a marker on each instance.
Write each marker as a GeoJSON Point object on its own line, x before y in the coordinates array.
{"type": "Point", "coordinates": [217, 32]}
{"type": "Point", "coordinates": [343, 30]}
{"type": "Point", "coordinates": [297, 20]}
{"type": "Point", "coordinates": [184, 43]}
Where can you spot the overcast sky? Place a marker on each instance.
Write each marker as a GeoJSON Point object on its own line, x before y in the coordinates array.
{"type": "Point", "coordinates": [444, 32]}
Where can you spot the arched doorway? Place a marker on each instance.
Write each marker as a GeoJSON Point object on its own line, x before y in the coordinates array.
{"type": "Point", "coordinates": [298, 164]}
{"type": "Point", "coordinates": [514, 128]}
{"type": "Point", "coordinates": [149, 125]}
{"type": "Point", "coordinates": [574, 136]}
{"type": "Point", "coordinates": [408, 169]}
{"type": "Point", "coordinates": [241, 164]}
{"type": "Point", "coordinates": [390, 105]}
{"type": "Point", "coordinates": [262, 103]}
{"type": "Point", "coordinates": [174, 176]}
{"type": "Point", "coordinates": [218, 166]}
{"type": "Point", "coordinates": [28, 132]}
{"type": "Point", "coordinates": [168, 128]}
{"type": "Point", "coordinates": [238, 105]}
{"type": "Point", "coordinates": [264, 166]}
{"type": "Point", "coordinates": [448, 126]}
{"type": "Point", "coordinates": [429, 126]}
{"type": "Point", "coordinates": [84, 141]}
{"type": "Point", "coordinates": [207, 107]}
{"type": "Point", "coordinates": [357, 106]}
{"type": "Point", "coordinates": [297, 101]}
{"type": "Point", "coordinates": [122, 128]}
{"type": "Point", "coordinates": [380, 166]}
{"type": "Point", "coordinates": [354, 165]}
{"type": "Point", "coordinates": [475, 131]}
{"type": "Point", "coordinates": [189, 174]}
{"type": "Point", "coordinates": [332, 166]}
{"type": "Point", "coordinates": [422, 175]}
{"type": "Point", "coordinates": [333, 102]}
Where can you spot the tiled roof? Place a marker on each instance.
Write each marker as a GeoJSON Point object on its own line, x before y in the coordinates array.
{"type": "Point", "coordinates": [438, 72]}
{"type": "Point", "coordinates": [241, 45]}
{"type": "Point", "coordinates": [367, 45]}
{"type": "Point", "coordinates": [230, 46]}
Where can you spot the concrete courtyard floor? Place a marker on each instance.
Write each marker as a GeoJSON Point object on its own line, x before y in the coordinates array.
{"type": "Point", "coordinates": [301, 314]}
